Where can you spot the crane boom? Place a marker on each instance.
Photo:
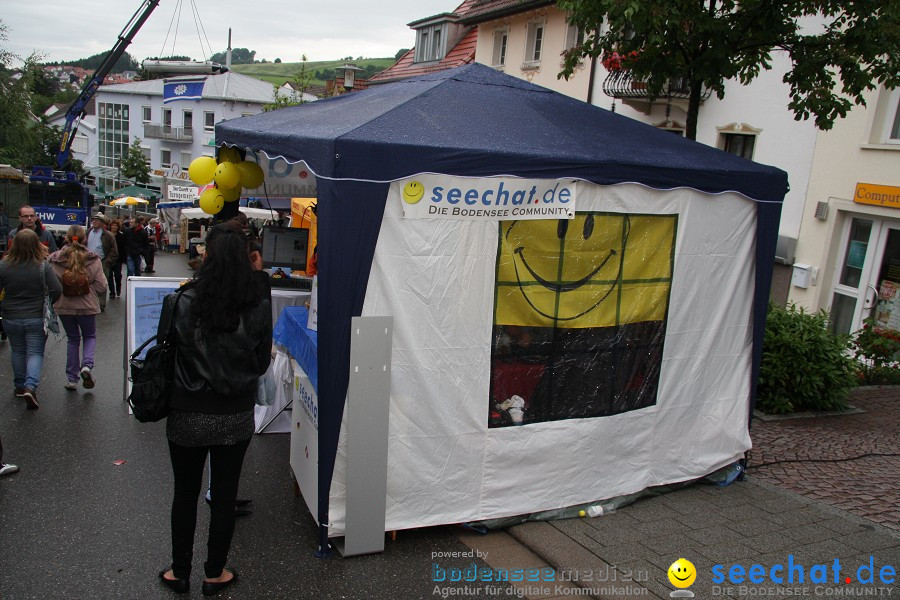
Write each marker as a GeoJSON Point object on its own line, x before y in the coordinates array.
{"type": "Point", "coordinates": [76, 110]}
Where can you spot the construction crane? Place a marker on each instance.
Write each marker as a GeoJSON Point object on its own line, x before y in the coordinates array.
{"type": "Point", "coordinates": [76, 110]}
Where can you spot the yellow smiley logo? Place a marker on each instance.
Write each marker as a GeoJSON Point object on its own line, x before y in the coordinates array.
{"type": "Point", "coordinates": [682, 573]}
{"type": "Point", "coordinates": [413, 192]}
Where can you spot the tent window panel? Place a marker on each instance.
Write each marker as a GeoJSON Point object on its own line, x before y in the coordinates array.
{"type": "Point", "coordinates": [501, 37]}
{"type": "Point", "coordinates": [580, 311]}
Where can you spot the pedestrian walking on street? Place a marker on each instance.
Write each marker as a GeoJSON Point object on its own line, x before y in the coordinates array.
{"type": "Point", "coordinates": [153, 236]}
{"type": "Point", "coordinates": [114, 278]}
{"type": "Point", "coordinates": [223, 337]}
{"type": "Point", "coordinates": [6, 468]}
{"type": "Point", "coordinates": [103, 244]}
{"type": "Point", "coordinates": [136, 242]}
{"type": "Point", "coordinates": [28, 220]}
{"type": "Point", "coordinates": [81, 273]}
{"type": "Point", "coordinates": [26, 279]}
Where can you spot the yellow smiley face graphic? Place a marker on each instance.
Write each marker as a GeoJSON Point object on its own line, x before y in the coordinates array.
{"type": "Point", "coordinates": [413, 192]}
{"type": "Point", "coordinates": [682, 573]}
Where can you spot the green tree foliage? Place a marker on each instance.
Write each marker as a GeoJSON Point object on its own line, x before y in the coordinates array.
{"type": "Point", "coordinates": [16, 120]}
{"type": "Point", "coordinates": [712, 41]}
{"type": "Point", "coordinates": [239, 56]}
{"type": "Point", "coordinates": [804, 365]}
{"type": "Point", "coordinates": [125, 63]}
{"type": "Point", "coordinates": [134, 165]}
{"type": "Point", "coordinates": [47, 140]}
{"type": "Point", "coordinates": [400, 53]}
{"type": "Point", "coordinates": [277, 61]}
{"type": "Point", "coordinates": [174, 57]}
{"type": "Point", "coordinates": [300, 82]}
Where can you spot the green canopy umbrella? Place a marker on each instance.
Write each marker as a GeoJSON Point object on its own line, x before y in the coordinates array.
{"type": "Point", "coordinates": [135, 191]}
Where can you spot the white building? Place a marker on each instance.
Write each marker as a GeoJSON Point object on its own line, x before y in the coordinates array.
{"type": "Point", "coordinates": [848, 254]}
{"type": "Point", "coordinates": [173, 132]}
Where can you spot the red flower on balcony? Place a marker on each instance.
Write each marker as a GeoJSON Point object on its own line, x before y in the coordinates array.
{"type": "Point", "coordinates": [613, 61]}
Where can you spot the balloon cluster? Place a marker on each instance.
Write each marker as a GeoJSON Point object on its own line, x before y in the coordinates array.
{"type": "Point", "coordinates": [231, 176]}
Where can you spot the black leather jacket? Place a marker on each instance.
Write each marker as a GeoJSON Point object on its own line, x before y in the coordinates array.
{"type": "Point", "coordinates": [218, 374]}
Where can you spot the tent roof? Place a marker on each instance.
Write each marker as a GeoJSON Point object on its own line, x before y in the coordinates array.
{"type": "Point", "coordinates": [252, 213]}
{"type": "Point", "coordinates": [476, 121]}
{"type": "Point", "coordinates": [136, 191]}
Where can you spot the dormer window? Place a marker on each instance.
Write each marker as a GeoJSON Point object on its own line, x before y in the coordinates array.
{"type": "Point", "coordinates": [430, 43]}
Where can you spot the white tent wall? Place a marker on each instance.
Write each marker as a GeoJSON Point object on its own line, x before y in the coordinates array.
{"type": "Point", "coordinates": [436, 278]}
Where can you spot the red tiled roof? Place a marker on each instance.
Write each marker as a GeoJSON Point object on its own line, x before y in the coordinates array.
{"type": "Point", "coordinates": [460, 11]}
{"type": "Point", "coordinates": [462, 53]}
{"type": "Point", "coordinates": [486, 10]}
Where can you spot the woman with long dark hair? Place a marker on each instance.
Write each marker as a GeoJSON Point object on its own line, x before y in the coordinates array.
{"type": "Point", "coordinates": [223, 340]}
{"type": "Point", "coordinates": [24, 277]}
{"type": "Point", "coordinates": [81, 273]}
{"type": "Point", "coordinates": [114, 277]}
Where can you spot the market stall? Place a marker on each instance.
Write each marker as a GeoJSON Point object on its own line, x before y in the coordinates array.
{"type": "Point", "coordinates": [578, 299]}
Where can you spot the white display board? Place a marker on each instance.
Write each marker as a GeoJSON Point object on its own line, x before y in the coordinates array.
{"type": "Point", "coordinates": [143, 305]}
{"type": "Point", "coordinates": [144, 298]}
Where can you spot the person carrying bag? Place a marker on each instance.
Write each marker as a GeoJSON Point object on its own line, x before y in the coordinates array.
{"type": "Point", "coordinates": [24, 279]}
{"type": "Point", "coordinates": [223, 334]}
{"type": "Point", "coordinates": [83, 280]}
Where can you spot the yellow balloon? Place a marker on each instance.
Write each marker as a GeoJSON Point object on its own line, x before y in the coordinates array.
{"type": "Point", "coordinates": [202, 170]}
{"type": "Point", "coordinates": [251, 174]}
{"type": "Point", "coordinates": [211, 201]}
{"type": "Point", "coordinates": [232, 194]}
{"type": "Point", "coordinates": [227, 176]}
{"type": "Point", "coordinates": [227, 154]}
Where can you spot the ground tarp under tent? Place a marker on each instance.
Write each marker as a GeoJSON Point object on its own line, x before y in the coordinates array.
{"type": "Point", "coordinates": [578, 299]}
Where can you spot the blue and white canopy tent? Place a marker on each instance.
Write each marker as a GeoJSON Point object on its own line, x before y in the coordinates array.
{"type": "Point", "coordinates": [637, 359]}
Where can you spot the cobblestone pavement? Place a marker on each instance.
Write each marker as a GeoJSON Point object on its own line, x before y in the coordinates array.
{"type": "Point", "coordinates": [849, 461]}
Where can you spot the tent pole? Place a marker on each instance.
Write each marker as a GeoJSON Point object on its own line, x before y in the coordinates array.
{"type": "Point", "coordinates": [324, 550]}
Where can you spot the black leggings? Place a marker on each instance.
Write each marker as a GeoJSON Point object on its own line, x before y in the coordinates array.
{"type": "Point", "coordinates": [187, 467]}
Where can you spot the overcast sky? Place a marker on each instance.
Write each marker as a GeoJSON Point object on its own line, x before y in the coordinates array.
{"type": "Point", "coordinates": [285, 29]}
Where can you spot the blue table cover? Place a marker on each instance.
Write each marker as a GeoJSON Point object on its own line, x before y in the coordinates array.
{"type": "Point", "coordinates": [290, 331]}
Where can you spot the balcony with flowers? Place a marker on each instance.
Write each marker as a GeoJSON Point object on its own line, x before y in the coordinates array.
{"type": "Point", "coordinates": [622, 83]}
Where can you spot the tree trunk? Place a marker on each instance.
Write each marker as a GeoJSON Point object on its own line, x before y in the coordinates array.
{"type": "Point", "coordinates": [693, 110]}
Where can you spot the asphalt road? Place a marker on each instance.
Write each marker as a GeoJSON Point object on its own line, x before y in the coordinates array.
{"type": "Point", "coordinates": [75, 525]}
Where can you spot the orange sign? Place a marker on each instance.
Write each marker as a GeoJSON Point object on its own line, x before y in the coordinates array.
{"type": "Point", "coordinates": [877, 195]}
